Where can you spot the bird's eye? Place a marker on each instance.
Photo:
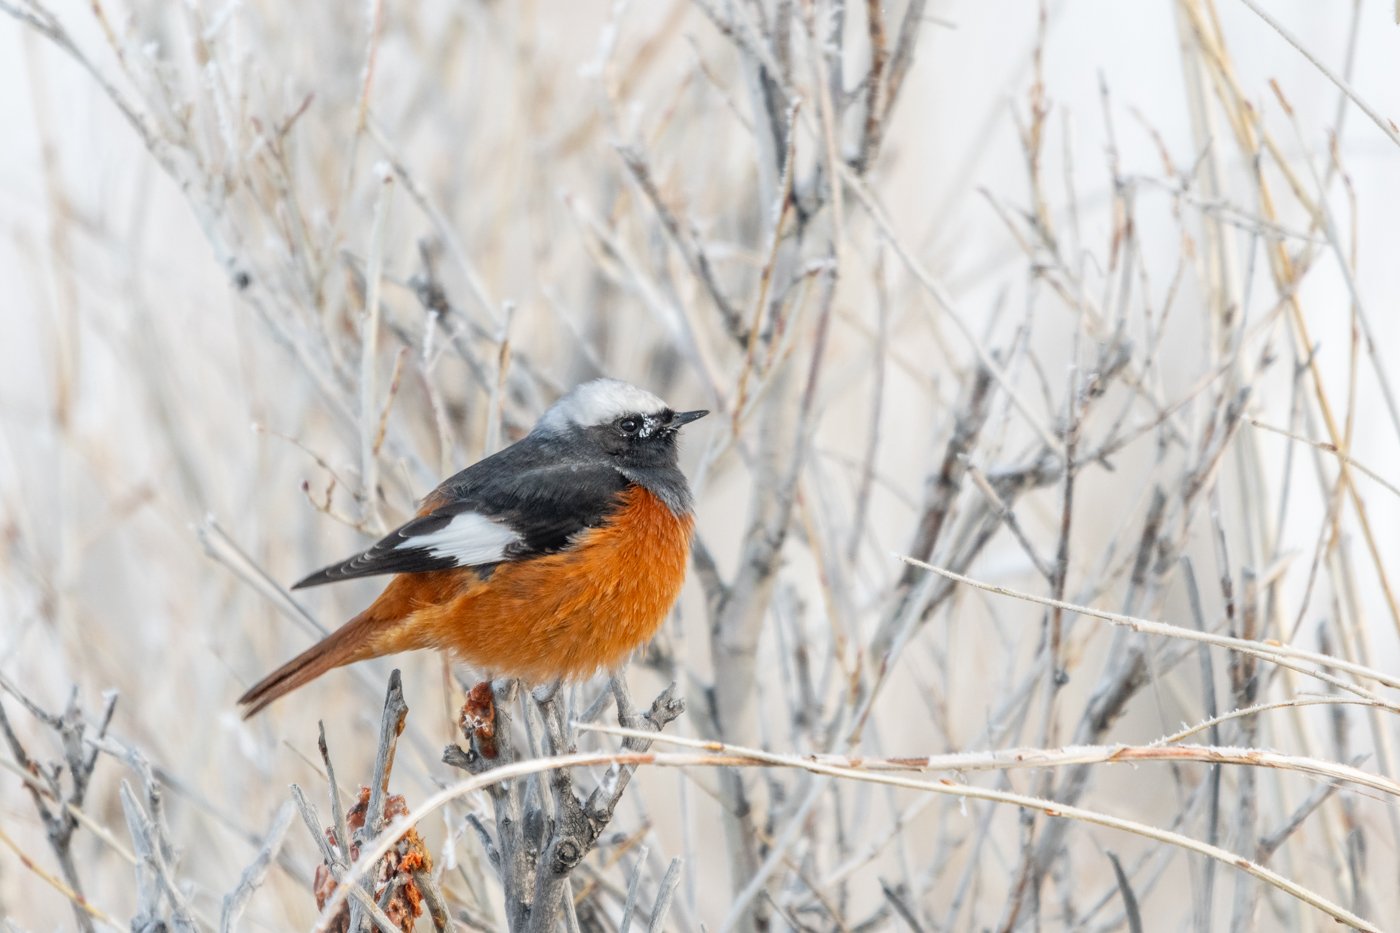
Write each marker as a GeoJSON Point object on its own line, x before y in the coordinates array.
{"type": "Point", "coordinates": [630, 425]}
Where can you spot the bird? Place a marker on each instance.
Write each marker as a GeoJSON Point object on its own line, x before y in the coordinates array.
{"type": "Point", "coordinates": [547, 561]}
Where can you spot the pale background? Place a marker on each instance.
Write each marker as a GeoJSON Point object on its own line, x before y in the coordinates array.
{"type": "Point", "coordinates": [142, 397]}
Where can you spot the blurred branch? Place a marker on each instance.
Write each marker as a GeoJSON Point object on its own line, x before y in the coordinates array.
{"type": "Point", "coordinates": [369, 404]}
{"type": "Point", "coordinates": [1386, 126]}
{"type": "Point", "coordinates": [56, 802]}
{"type": "Point", "coordinates": [1297, 659]}
{"type": "Point", "coordinates": [687, 242]}
{"type": "Point", "coordinates": [236, 901]}
{"type": "Point", "coordinates": [80, 903]}
{"type": "Point", "coordinates": [162, 905]}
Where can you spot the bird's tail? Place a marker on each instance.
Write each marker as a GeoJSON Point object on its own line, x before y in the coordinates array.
{"type": "Point", "coordinates": [353, 641]}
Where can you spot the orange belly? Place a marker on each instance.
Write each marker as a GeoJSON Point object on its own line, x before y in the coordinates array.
{"type": "Point", "coordinates": [563, 615]}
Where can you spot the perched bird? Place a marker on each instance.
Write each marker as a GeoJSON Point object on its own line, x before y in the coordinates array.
{"type": "Point", "coordinates": [552, 559]}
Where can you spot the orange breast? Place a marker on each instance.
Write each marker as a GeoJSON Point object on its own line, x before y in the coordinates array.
{"type": "Point", "coordinates": [562, 615]}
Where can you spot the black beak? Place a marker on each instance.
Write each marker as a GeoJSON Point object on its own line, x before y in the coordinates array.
{"type": "Point", "coordinates": [682, 418]}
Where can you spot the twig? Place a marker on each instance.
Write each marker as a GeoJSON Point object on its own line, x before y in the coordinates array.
{"type": "Point", "coordinates": [536, 851]}
{"type": "Point", "coordinates": [348, 885]}
{"type": "Point", "coordinates": [1049, 807]}
{"type": "Point", "coordinates": [662, 905]}
{"type": "Point", "coordinates": [237, 900]}
{"type": "Point", "coordinates": [1130, 904]}
{"type": "Point", "coordinates": [1276, 653]}
{"type": "Point", "coordinates": [633, 886]}
{"type": "Point", "coordinates": [369, 345]}
{"type": "Point", "coordinates": [80, 903]}
{"type": "Point", "coordinates": [390, 728]}
{"type": "Point", "coordinates": [1331, 449]}
{"type": "Point", "coordinates": [1386, 126]}
{"type": "Point", "coordinates": [80, 751]}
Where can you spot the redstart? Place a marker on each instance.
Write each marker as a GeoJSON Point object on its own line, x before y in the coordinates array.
{"type": "Point", "coordinates": [552, 559]}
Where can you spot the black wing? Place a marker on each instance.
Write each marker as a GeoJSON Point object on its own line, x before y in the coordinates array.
{"type": "Point", "coordinates": [507, 507]}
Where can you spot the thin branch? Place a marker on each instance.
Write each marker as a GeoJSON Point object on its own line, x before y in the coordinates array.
{"type": "Point", "coordinates": [754, 756]}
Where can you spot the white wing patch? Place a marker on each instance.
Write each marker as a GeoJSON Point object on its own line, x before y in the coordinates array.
{"type": "Point", "coordinates": [469, 539]}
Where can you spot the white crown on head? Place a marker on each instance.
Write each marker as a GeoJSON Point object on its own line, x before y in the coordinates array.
{"type": "Point", "coordinates": [600, 401]}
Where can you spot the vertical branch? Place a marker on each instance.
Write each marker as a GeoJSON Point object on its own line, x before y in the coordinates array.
{"type": "Point", "coordinates": [903, 58]}
{"type": "Point", "coordinates": [738, 619]}
{"type": "Point", "coordinates": [1206, 897]}
{"type": "Point", "coordinates": [875, 112]}
{"type": "Point", "coordinates": [392, 893]}
{"type": "Point", "coordinates": [369, 346]}
{"type": "Point", "coordinates": [80, 751]}
{"type": "Point", "coordinates": [390, 728]}
{"type": "Point", "coordinates": [236, 901]}
{"type": "Point", "coordinates": [1052, 647]}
